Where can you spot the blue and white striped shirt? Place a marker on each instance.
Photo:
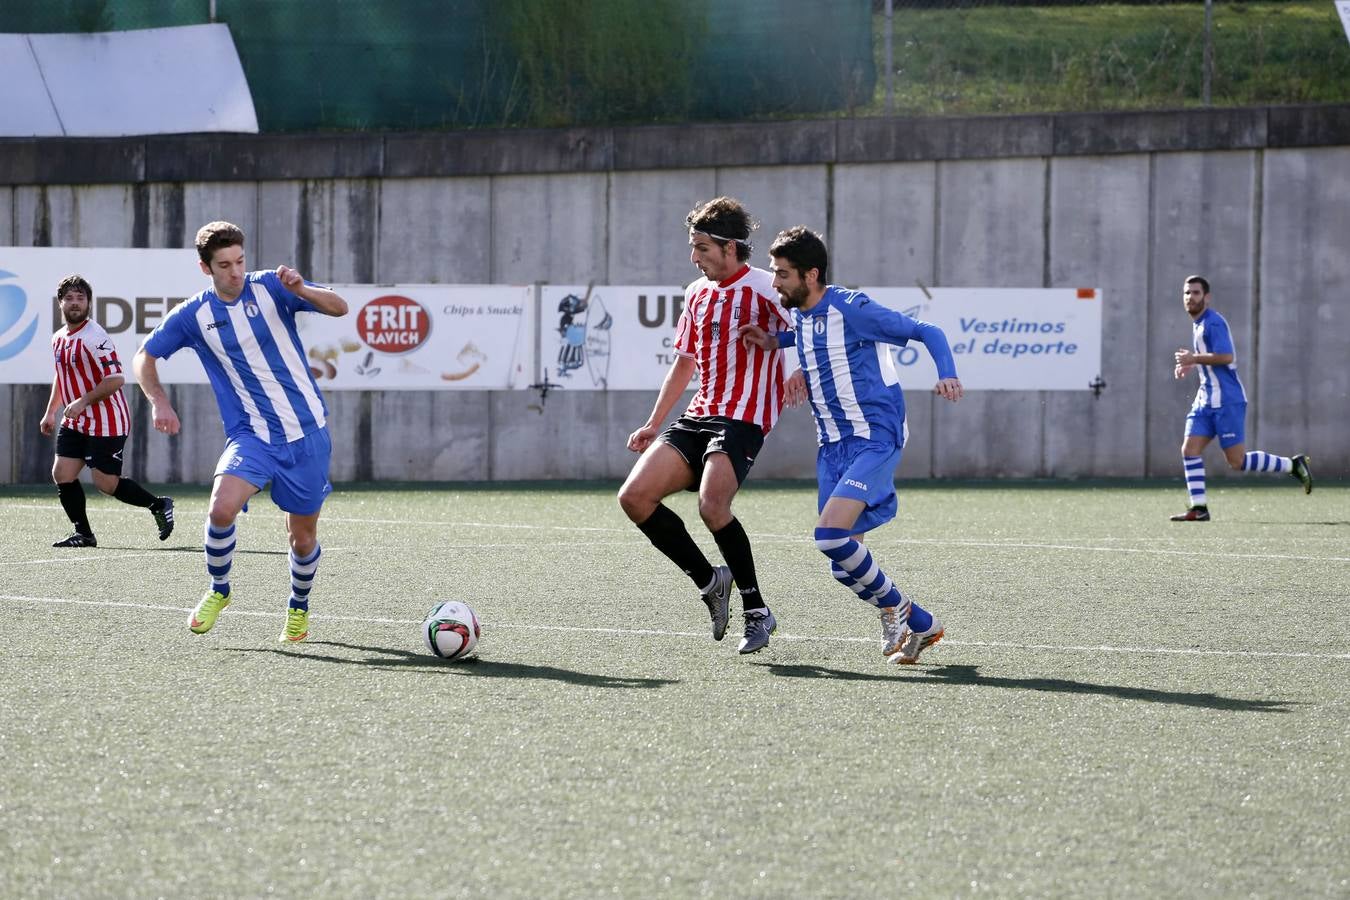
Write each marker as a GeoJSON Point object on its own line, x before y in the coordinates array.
{"type": "Point", "coordinates": [1219, 385]}
{"type": "Point", "coordinates": [253, 357]}
{"type": "Point", "coordinates": [850, 374]}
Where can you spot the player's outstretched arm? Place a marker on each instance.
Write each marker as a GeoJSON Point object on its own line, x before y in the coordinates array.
{"type": "Point", "coordinates": [147, 376]}
{"type": "Point", "coordinates": [325, 300]}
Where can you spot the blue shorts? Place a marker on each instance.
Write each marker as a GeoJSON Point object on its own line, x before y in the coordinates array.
{"type": "Point", "coordinates": [1227, 423]}
{"type": "Point", "coordinates": [860, 469]}
{"type": "Point", "coordinates": [298, 471]}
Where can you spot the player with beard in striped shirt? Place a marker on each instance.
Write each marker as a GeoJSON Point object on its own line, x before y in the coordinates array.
{"type": "Point", "coordinates": [711, 448]}
{"type": "Point", "coordinates": [94, 421]}
{"type": "Point", "coordinates": [842, 339]}
{"type": "Point", "coordinates": [243, 331]}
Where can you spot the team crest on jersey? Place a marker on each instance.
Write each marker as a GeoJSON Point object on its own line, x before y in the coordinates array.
{"type": "Point", "coordinates": [716, 331]}
{"type": "Point", "coordinates": [251, 309]}
{"type": "Point", "coordinates": [819, 326]}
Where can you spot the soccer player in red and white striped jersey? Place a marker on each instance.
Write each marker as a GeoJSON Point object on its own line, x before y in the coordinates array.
{"type": "Point", "coordinates": [94, 418]}
{"type": "Point", "coordinates": [713, 445]}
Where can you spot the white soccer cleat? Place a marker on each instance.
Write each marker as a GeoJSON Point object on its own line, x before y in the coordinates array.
{"type": "Point", "coordinates": [915, 642]}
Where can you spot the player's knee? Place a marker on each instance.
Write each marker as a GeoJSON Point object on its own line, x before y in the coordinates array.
{"type": "Point", "coordinates": [221, 516]}
{"type": "Point", "coordinates": [106, 483]}
{"type": "Point", "coordinates": [714, 511]}
{"type": "Point", "coordinates": [634, 504]}
{"type": "Point", "coordinates": [303, 544]}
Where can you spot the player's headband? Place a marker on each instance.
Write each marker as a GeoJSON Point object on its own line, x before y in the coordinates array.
{"type": "Point", "coordinates": [718, 237]}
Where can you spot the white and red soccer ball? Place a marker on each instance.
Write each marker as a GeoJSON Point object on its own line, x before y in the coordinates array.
{"type": "Point", "coordinates": [451, 630]}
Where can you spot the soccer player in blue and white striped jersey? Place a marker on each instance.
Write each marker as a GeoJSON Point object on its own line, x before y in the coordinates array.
{"type": "Point", "coordinates": [243, 330]}
{"type": "Point", "coordinates": [842, 339]}
{"type": "Point", "coordinates": [1220, 407]}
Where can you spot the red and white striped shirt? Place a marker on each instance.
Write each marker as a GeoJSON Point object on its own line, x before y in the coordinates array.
{"type": "Point", "coordinates": [85, 355]}
{"type": "Point", "coordinates": [735, 381]}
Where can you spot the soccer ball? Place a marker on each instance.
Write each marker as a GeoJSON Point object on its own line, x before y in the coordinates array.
{"type": "Point", "coordinates": [451, 630]}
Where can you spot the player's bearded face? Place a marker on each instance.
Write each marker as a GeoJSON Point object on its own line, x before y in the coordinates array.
{"type": "Point", "coordinates": [75, 307]}
{"type": "Point", "coordinates": [1194, 298]}
{"type": "Point", "coordinates": [791, 288]}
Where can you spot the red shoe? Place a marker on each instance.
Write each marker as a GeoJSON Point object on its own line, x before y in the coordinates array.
{"type": "Point", "coordinates": [1194, 514]}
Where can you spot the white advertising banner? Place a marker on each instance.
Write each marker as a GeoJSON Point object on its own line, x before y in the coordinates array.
{"type": "Point", "coordinates": [500, 337]}
{"type": "Point", "coordinates": [423, 337]}
{"type": "Point", "coordinates": [1004, 339]}
{"type": "Point", "coordinates": [402, 337]}
{"type": "Point", "coordinates": [608, 337]}
{"type": "Point", "coordinates": [1025, 339]}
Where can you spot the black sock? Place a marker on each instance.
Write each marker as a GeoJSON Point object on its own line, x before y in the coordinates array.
{"type": "Point", "coordinates": [130, 492]}
{"type": "Point", "coordinates": [735, 546]}
{"type": "Point", "coordinates": [667, 533]}
{"type": "Point", "coordinates": [72, 501]}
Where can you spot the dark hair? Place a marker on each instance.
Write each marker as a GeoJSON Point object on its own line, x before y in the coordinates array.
{"type": "Point", "coordinates": [214, 235]}
{"type": "Point", "coordinates": [724, 219]}
{"type": "Point", "coordinates": [74, 283]}
{"type": "Point", "coordinates": [803, 249]}
{"type": "Point", "coordinates": [1198, 279]}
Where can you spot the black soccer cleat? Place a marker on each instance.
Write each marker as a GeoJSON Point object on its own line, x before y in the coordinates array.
{"type": "Point", "coordinates": [1194, 514]}
{"type": "Point", "coordinates": [162, 510]}
{"type": "Point", "coordinates": [1303, 472]}
{"type": "Point", "coordinates": [78, 540]}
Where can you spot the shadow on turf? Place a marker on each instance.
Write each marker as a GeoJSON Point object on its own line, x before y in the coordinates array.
{"type": "Point", "coordinates": [404, 659]}
{"type": "Point", "coordinates": [953, 674]}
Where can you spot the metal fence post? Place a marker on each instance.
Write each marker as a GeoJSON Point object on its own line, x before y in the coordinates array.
{"type": "Point", "coordinates": [1209, 50]}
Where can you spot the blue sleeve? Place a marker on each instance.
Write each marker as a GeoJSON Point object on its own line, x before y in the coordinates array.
{"type": "Point", "coordinates": [877, 323]}
{"type": "Point", "coordinates": [787, 339]}
{"type": "Point", "coordinates": [173, 334]}
{"type": "Point", "coordinates": [1218, 337]}
{"type": "Point", "coordinates": [293, 303]}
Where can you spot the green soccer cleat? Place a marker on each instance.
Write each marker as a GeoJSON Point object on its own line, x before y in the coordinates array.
{"type": "Point", "coordinates": [1303, 472]}
{"type": "Point", "coordinates": [205, 615]}
{"type": "Point", "coordinates": [297, 627]}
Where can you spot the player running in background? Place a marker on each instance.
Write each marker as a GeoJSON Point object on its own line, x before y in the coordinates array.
{"type": "Point", "coordinates": [854, 394]}
{"type": "Point", "coordinates": [712, 446]}
{"type": "Point", "coordinates": [243, 330]}
{"type": "Point", "coordinates": [1220, 407]}
{"type": "Point", "coordinates": [94, 420]}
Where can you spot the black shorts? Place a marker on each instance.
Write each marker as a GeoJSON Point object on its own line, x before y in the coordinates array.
{"type": "Point", "coordinates": [694, 437]}
{"type": "Point", "coordinates": [102, 453]}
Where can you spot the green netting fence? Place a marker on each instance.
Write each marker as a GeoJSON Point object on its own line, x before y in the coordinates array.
{"type": "Point", "coordinates": [418, 64]}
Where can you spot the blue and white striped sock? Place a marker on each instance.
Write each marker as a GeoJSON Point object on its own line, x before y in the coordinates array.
{"type": "Point", "coordinates": [852, 566]}
{"type": "Point", "coordinates": [219, 556]}
{"type": "Point", "coordinates": [1261, 461]}
{"type": "Point", "coordinates": [302, 577]}
{"type": "Point", "coordinates": [1195, 479]}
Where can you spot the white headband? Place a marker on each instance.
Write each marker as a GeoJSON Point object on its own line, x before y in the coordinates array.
{"type": "Point", "coordinates": [718, 237]}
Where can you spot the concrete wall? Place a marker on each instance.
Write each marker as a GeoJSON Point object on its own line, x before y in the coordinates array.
{"type": "Point", "coordinates": [1256, 199]}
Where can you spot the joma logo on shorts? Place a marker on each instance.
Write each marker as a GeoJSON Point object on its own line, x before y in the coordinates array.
{"type": "Point", "coordinates": [857, 484]}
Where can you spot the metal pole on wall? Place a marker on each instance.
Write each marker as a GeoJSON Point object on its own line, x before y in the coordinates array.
{"type": "Point", "coordinates": [890, 59]}
{"type": "Point", "coordinates": [1209, 50]}
{"type": "Point", "coordinates": [212, 11]}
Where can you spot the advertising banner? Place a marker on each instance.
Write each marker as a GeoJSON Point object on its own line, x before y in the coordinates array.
{"type": "Point", "coordinates": [404, 337]}
{"type": "Point", "coordinates": [500, 337]}
{"type": "Point", "coordinates": [619, 337]}
{"type": "Point", "coordinates": [1004, 339]}
{"type": "Point", "coordinates": [611, 337]}
{"type": "Point", "coordinates": [423, 337]}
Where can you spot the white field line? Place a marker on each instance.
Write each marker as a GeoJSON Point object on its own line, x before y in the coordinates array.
{"type": "Point", "coordinates": [372, 620]}
{"type": "Point", "coordinates": [803, 538]}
